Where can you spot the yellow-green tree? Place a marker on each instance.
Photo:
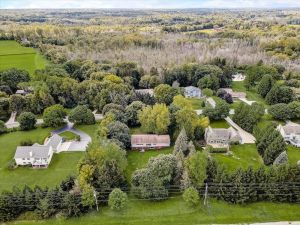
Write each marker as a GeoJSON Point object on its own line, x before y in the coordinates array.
{"type": "Point", "coordinates": [155, 119]}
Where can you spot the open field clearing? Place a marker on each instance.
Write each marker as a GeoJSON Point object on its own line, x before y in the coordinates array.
{"type": "Point", "coordinates": [12, 54]}
{"type": "Point", "coordinates": [175, 211]}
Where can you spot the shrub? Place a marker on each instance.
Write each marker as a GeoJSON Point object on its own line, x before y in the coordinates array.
{"type": "Point", "coordinates": [191, 196]}
{"type": "Point", "coordinates": [117, 199]}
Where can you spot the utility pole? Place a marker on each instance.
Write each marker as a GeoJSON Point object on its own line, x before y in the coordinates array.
{"type": "Point", "coordinates": [205, 194]}
{"type": "Point", "coordinates": [96, 200]}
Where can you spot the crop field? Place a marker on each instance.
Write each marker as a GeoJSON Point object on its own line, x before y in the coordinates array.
{"type": "Point", "coordinates": [13, 55]}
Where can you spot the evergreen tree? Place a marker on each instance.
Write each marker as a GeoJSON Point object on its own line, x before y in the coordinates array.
{"type": "Point", "coordinates": [274, 149]}
{"type": "Point", "coordinates": [181, 144]}
{"type": "Point", "coordinates": [265, 85]}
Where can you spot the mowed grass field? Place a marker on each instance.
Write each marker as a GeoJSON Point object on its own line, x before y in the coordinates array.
{"type": "Point", "coordinates": [242, 156]}
{"type": "Point", "coordinates": [13, 55]}
{"type": "Point", "coordinates": [138, 160]}
{"type": "Point", "coordinates": [176, 212]}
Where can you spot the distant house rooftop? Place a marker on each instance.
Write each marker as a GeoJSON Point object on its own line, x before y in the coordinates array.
{"type": "Point", "coordinates": [145, 91]}
{"type": "Point", "coordinates": [291, 129]}
{"type": "Point", "coordinates": [235, 94]}
{"type": "Point", "coordinates": [21, 92]}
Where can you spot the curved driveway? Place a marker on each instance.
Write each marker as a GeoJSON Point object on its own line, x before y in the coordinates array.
{"type": "Point", "coordinates": [81, 145]}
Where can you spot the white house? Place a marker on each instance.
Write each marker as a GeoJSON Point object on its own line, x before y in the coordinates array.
{"type": "Point", "coordinates": [192, 92]}
{"type": "Point", "coordinates": [145, 91]}
{"type": "Point", "coordinates": [238, 77]}
{"type": "Point", "coordinates": [37, 155]}
{"type": "Point", "coordinates": [291, 133]}
{"type": "Point", "coordinates": [149, 141]}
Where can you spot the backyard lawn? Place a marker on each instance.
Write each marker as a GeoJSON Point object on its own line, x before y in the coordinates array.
{"type": "Point", "coordinates": [176, 212]}
{"type": "Point", "coordinates": [266, 120]}
{"type": "Point", "coordinates": [243, 156]}
{"type": "Point", "coordinates": [62, 164]}
{"type": "Point", "coordinates": [196, 103]}
{"type": "Point", "coordinates": [12, 54]}
{"type": "Point", "coordinates": [219, 124]}
{"type": "Point", "coordinates": [250, 94]}
{"type": "Point", "coordinates": [138, 160]}
{"type": "Point", "coordinates": [293, 154]}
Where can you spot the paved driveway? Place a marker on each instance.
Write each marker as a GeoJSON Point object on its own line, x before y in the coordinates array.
{"type": "Point", "coordinates": [212, 102]}
{"type": "Point", "coordinates": [247, 138]}
{"type": "Point", "coordinates": [81, 145]}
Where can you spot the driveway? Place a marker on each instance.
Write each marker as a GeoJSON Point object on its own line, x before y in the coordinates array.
{"type": "Point", "coordinates": [247, 101]}
{"type": "Point", "coordinates": [212, 102]}
{"type": "Point", "coordinates": [247, 138]}
{"type": "Point", "coordinates": [81, 145]}
{"type": "Point", "coordinates": [12, 123]}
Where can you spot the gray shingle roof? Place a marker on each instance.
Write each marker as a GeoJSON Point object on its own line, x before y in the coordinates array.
{"type": "Point", "coordinates": [54, 141]}
{"type": "Point", "coordinates": [191, 88]}
{"type": "Point", "coordinates": [291, 129]}
{"type": "Point", "coordinates": [37, 151]}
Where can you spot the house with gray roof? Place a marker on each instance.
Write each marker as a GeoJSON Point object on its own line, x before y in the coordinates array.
{"type": "Point", "coordinates": [290, 133]}
{"type": "Point", "coordinates": [192, 92]}
{"type": "Point", "coordinates": [38, 156]}
{"type": "Point", "coordinates": [221, 137]}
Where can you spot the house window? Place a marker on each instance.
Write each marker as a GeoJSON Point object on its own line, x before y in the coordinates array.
{"type": "Point", "coordinates": [23, 159]}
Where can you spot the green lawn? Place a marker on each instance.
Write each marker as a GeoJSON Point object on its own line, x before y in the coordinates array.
{"type": "Point", "coordinates": [89, 129]}
{"type": "Point", "coordinates": [293, 154]}
{"type": "Point", "coordinates": [62, 165]}
{"type": "Point", "coordinates": [219, 124]}
{"type": "Point", "coordinates": [138, 160]}
{"type": "Point", "coordinates": [12, 54]}
{"type": "Point", "coordinates": [196, 103]}
{"type": "Point", "coordinates": [136, 130]}
{"type": "Point", "coordinates": [243, 156]}
{"type": "Point", "coordinates": [175, 212]}
{"type": "Point", "coordinates": [68, 136]}
{"type": "Point", "coordinates": [250, 94]}
{"type": "Point", "coordinates": [266, 120]}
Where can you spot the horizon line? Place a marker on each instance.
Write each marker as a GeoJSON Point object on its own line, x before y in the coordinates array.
{"type": "Point", "coordinates": [161, 8]}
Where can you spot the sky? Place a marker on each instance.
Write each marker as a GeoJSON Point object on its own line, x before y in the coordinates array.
{"type": "Point", "coordinates": [31, 4]}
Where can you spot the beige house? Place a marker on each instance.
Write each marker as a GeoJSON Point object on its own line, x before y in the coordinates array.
{"type": "Point", "coordinates": [221, 137]}
{"type": "Point", "coordinates": [149, 141]}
